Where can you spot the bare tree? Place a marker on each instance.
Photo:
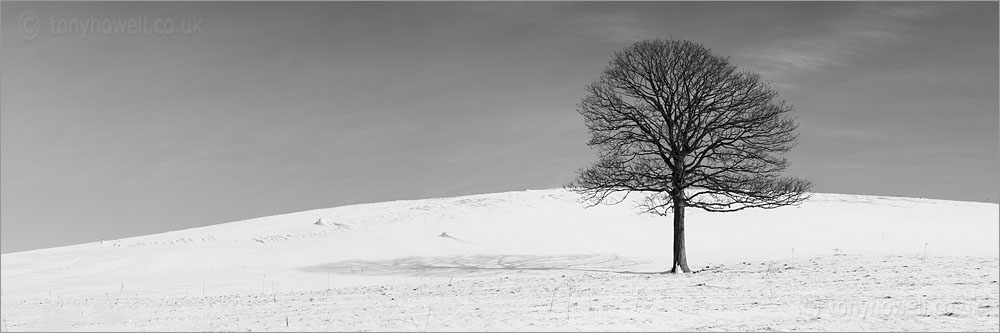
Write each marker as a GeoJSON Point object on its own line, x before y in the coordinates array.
{"type": "Point", "coordinates": [671, 119]}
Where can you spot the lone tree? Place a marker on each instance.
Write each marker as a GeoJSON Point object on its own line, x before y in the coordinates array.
{"type": "Point", "coordinates": [689, 129]}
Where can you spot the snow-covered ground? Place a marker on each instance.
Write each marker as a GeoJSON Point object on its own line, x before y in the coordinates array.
{"type": "Point", "coordinates": [529, 260]}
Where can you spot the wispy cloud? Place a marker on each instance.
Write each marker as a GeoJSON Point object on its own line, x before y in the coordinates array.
{"type": "Point", "coordinates": [613, 27]}
{"type": "Point", "coordinates": [851, 134]}
{"type": "Point", "coordinates": [911, 11]}
{"type": "Point", "coordinates": [867, 28]}
{"type": "Point", "coordinates": [610, 26]}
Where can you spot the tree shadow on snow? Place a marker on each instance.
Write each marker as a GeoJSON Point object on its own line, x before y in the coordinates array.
{"type": "Point", "coordinates": [479, 265]}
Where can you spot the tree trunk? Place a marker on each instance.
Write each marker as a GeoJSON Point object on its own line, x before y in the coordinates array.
{"type": "Point", "coordinates": [680, 255]}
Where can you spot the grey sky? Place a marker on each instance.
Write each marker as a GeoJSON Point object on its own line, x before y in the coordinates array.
{"type": "Point", "coordinates": [280, 107]}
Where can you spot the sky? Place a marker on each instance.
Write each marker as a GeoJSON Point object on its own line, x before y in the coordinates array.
{"type": "Point", "coordinates": [244, 110]}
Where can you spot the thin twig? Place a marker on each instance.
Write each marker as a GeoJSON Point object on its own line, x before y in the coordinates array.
{"type": "Point", "coordinates": [553, 301]}
{"type": "Point", "coordinates": [120, 293]}
{"type": "Point", "coordinates": [569, 301]}
{"type": "Point", "coordinates": [428, 318]}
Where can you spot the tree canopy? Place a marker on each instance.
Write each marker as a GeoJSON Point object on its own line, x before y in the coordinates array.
{"type": "Point", "coordinates": [669, 116]}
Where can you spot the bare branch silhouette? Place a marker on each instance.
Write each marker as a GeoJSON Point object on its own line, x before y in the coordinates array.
{"type": "Point", "coordinates": [671, 118]}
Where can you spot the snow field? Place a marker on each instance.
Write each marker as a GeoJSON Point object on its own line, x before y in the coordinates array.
{"type": "Point", "coordinates": [511, 262]}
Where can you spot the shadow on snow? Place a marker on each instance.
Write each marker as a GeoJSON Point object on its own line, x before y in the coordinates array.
{"type": "Point", "coordinates": [482, 264]}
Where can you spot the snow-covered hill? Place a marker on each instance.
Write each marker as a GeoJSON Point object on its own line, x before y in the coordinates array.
{"type": "Point", "coordinates": [534, 234]}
